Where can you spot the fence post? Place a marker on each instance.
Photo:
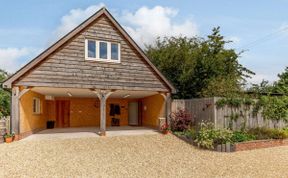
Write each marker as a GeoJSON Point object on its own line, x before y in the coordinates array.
{"type": "Point", "coordinates": [215, 112]}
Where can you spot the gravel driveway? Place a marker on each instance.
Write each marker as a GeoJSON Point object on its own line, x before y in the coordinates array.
{"type": "Point", "coordinates": [135, 156]}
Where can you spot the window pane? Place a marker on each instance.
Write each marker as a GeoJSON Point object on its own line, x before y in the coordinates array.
{"type": "Point", "coordinates": [36, 106]}
{"type": "Point", "coordinates": [103, 50]}
{"type": "Point", "coordinates": [91, 49]}
{"type": "Point", "coordinates": [114, 51]}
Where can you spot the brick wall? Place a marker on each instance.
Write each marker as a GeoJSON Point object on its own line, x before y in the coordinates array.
{"type": "Point", "coordinates": [259, 144]}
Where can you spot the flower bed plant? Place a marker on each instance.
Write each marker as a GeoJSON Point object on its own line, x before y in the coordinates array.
{"type": "Point", "coordinates": [266, 133]}
{"type": "Point", "coordinates": [180, 121]}
{"type": "Point", "coordinates": [208, 137]}
{"type": "Point", "coordinates": [189, 133]}
{"type": "Point", "coordinates": [239, 136]}
{"type": "Point", "coordinates": [165, 128]}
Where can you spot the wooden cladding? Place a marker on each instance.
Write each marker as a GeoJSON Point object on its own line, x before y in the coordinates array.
{"type": "Point", "coordinates": [67, 67]}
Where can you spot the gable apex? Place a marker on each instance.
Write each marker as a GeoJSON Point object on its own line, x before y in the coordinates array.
{"type": "Point", "coordinates": [103, 11]}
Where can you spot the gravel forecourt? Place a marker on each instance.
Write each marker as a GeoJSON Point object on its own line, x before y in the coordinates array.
{"type": "Point", "coordinates": [135, 156]}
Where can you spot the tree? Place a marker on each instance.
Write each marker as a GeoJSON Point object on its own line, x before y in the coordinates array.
{"type": "Point", "coordinates": [263, 88]}
{"type": "Point", "coordinates": [5, 96]}
{"type": "Point", "coordinates": [199, 67]}
{"type": "Point", "coordinates": [281, 86]}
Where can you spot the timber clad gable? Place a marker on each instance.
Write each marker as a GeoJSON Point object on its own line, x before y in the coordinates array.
{"type": "Point", "coordinates": [67, 67]}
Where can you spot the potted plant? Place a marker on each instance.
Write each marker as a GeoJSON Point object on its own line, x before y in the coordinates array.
{"type": "Point", "coordinates": [165, 128]}
{"type": "Point", "coordinates": [8, 137]}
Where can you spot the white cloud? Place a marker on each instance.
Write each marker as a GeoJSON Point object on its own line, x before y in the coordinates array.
{"type": "Point", "coordinates": [145, 25]}
{"type": "Point", "coordinates": [284, 29]}
{"type": "Point", "coordinates": [283, 26]}
{"type": "Point", "coordinates": [11, 59]}
{"type": "Point", "coordinates": [74, 18]}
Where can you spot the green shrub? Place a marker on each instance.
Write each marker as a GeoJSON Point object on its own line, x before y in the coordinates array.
{"type": "Point", "coordinates": [205, 136]}
{"type": "Point", "coordinates": [223, 136]}
{"type": "Point", "coordinates": [177, 133]}
{"type": "Point", "coordinates": [208, 136]}
{"type": "Point", "coordinates": [239, 136]}
{"type": "Point", "coordinates": [266, 133]}
{"type": "Point", "coordinates": [221, 103]}
{"type": "Point", "coordinates": [279, 134]}
{"type": "Point", "coordinates": [180, 120]}
{"type": "Point", "coordinates": [190, 133]}
{"type": "Point", "coordinates": [234, 102]}
{"type": "Point", "coordinates": [248, 101]}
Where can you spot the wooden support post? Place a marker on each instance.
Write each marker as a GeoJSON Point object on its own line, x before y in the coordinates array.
{"type": "Point", "coordinates": [167, 100]}
{"type": "Point", "coordinates": [168, 107]}
{"type": "Point", "coordinates": [103, 96]}
{"type": "Point", "coordinates": [15, 111]}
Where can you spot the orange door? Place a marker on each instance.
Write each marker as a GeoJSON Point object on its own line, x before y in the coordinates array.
{"type": "Point", "coordinates": [62, 113]}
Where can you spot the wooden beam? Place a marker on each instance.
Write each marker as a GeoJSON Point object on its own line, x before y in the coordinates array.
{"type": "Point", "coordinates": [22, 92]}
{"type": "Point", "coordinates": [167, 100]}
{"type": "Point", "coordinates": [103, 96]}
{"type": "Point", "coordinates": [15, 111]}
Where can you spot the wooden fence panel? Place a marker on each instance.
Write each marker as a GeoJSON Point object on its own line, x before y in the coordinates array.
{"type": "Point", "coordinates": [200, 109]}
{"type": "Point", "coordinates": [205, 109]}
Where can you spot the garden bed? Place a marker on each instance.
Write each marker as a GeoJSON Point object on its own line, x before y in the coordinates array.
{"type": "Point", "coordinates": [220, 148]}
{"type": "Point", "coordinates": [206, 136]}
{"type": "Point", "coordinates": [241, 146]}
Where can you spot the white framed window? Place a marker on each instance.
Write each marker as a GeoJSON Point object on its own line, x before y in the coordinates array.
{"type": "Point", "coordinates": [105, 51]}
{"type": "Point", "coordinates": [36, 106]}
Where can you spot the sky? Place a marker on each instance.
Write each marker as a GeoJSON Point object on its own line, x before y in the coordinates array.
{"type": "Point", "coordinates": [260, 28]}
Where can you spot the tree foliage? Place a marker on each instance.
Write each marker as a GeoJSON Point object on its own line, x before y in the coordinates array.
{"type": "Point", "coordinates": [272, 98]}
{"type": "Point", "coordinates": [199, 67]}
{"type": "Point", "coordinates": [281, 86]}
{"type": "Point", "coordinates": [275, 107]}
{"type": "Point", "coordinates": [5, 96]}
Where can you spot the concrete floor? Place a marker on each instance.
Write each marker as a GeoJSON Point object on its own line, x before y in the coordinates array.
{"type": "Point", "coordinates": [84, 132]}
